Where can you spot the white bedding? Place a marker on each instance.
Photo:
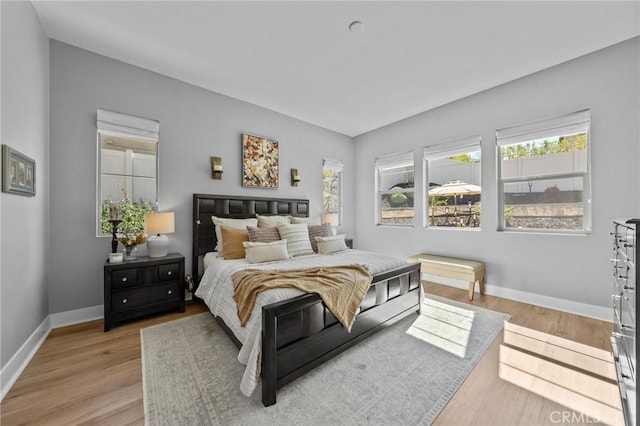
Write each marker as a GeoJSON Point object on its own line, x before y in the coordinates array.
{"type": "Point", "coordinates": [216, 289]}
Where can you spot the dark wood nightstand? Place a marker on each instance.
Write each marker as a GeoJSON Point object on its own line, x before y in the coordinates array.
{"type": "Point", "coordinates": [349, 242]}
{"type": "Point", "coordinates": [142, 286]}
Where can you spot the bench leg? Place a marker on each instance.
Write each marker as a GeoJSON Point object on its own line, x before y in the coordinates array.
{"type": "Point", "coordinates": [472, 285]}
{"type": "Point", "coordinates": [481, 285]}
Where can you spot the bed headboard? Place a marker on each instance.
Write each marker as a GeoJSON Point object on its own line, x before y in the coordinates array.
{"type": "Point", "coordinates": [207, 205]}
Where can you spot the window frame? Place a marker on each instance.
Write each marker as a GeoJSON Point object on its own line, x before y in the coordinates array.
{"type": "Point", "coordinates": [388, 162]}
{"type": "Point", "coordinates": [335, 166]}
{"type": "Point", "coordinates": [573, 123]}
{"type": "Point", "coordinates": [441, 151]}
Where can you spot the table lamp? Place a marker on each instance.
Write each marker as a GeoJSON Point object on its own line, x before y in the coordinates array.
{"type": "Point", "coordinates": [158, 224]}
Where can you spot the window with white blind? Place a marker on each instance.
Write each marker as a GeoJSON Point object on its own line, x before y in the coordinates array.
{"type": "Point", "coordinates": [544, 175]}
{"type": "Point", "coordinates": [332, 191]}
{"type": "Point", "coordinates": [394, 182]}
{"type": "Point", "coordinates": [453, 183]}
{"type": "Point", "coordinates": [127, 165]}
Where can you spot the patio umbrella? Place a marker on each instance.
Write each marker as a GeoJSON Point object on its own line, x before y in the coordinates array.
{"type": "Point", "coordinates": [455, 187]}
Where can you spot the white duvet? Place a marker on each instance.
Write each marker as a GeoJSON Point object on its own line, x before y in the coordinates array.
{"type": "Point", "coordinates": [216, 289]}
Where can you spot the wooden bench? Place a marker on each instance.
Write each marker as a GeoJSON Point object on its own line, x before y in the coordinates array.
{"type": "Point", "coordinates": [450, 267]}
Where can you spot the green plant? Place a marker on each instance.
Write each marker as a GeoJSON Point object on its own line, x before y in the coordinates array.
{"type": "Point", "coordinates": [132, 224]}
{"type": "Point", "coordinates": [398, 198]}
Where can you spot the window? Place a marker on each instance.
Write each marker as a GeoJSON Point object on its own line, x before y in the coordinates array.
{"type": "Point", "coordinates": [332, 191]}
{"type": "Point", "coordinates": [394, 186]}
{"type": "Point", "coordinates": [544, 178]}
{"type": "Point", "coordinates": [127, 166]}
{"type": "Point", "coordinates": [452, 182]}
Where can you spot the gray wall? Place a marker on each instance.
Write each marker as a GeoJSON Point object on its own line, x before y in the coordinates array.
{"type": "Point", "coordinates": [194, 125]}
{"type": "Point", "coordinates": [570, 267]}
{"type": "Point", "coordinates": [25, 221]}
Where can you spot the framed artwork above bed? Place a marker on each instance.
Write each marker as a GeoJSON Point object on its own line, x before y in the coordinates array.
{"type": "Point", "coordinates": [260, 163]}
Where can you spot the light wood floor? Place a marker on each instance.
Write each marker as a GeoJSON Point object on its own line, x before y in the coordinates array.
{"type": "Point", "coordinates": [82, 375]}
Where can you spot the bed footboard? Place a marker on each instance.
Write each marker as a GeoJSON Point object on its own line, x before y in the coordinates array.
{"type": "Point", "coordinates": [393, 295]}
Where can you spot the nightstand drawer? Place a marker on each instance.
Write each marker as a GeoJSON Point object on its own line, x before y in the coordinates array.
{"type": "Point", "coordinates": [128, 299]}
{"type": "Point", "coordinates": [168, 272]}
{"type": "Point", "coordinates": [124, 278]}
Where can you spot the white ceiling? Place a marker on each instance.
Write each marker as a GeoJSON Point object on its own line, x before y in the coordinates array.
{"type": "Point", "coordinates": [298, 58]}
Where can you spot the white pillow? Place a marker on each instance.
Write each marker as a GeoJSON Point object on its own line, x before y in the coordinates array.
{"type": "Point", "coordinates": [315, 220]}
{"type": "Point", "coordinates": [265, 252]}
{"type": "Point", "coordinates": [332, 244]}
{"type": "Point", "coordinates": [231, 223]}
{"type": "Point", "coordinates": [270, 221]}
{"type": "Point", "coordinates": [297, 236]}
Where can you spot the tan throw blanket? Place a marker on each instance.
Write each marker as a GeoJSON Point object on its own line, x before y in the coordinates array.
{"type": "Point", "coordinates": [341, 288]}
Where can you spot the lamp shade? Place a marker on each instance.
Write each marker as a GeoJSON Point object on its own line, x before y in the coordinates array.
{"type": "Point", "coordinates": [159, 223]}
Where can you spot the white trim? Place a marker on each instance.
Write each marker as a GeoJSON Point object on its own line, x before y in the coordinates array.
{"type": "Point", "coordinates": [63, 319]}
{"type": "Point", "coordinates": [19, 361]}
{"type": "Point", "coordinates": [592, 311]}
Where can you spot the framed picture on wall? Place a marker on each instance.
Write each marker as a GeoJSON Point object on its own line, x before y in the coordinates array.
{"type": "Point", "coordinates": [18, 172]}
{"type": "Point", "coordinates": [259, 162]}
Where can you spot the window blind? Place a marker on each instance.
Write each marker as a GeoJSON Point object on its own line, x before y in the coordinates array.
{"type": "Point", "coordinates": [575, 122]}
{"type": "Point", "coordinates": [391, 161]}
{"type": "Point", "coordinates": [123, 125]}
{"type": "Point", "coordinates": [447, 149]}
{"type": "Point", "coordinates": [332, 164]}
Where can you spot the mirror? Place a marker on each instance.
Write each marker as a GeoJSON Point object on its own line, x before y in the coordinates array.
{"type": "Point", "coordinates": [127, 168]}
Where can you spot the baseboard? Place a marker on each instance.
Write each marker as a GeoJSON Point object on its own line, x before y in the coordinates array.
{"type": "Point", "coordinates": [564, 305]}
{"type": "Point", "coordinates": [22, 357]}
{"type": "Point", "coordinates": [63, 319]}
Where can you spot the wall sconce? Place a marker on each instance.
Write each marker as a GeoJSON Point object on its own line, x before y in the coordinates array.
{"type": "Point", "coordinates": [295, 178]}
{"type": "Point", "coordinates": [216, 167]}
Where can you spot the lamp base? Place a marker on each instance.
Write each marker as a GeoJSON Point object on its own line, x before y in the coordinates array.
{"type": "Point", "coordinates": [158, 246]}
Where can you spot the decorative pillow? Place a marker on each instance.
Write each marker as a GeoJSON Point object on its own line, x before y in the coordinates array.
{"type": "Point", "coordinates": [269, 221]}
{"type": "Point", "coordinates": [233, 239]}
{"type": "Point", "coordinates": [332, 244]}
{"type": "Point", "coordinates": [232, 223]}
{"type": "Point", "coordinates": [315, 231]}
{"type": "Point", "coordinates": [316, 220]}
{"type": "Point", "coordinates": [266, 252]}
{"type": "Point", "coordinates": [297, 236]}
{"type": "Point", "coordinates": [263, 235]}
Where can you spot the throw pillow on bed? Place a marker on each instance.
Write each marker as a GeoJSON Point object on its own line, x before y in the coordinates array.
{"type": "Point", "coordinates": [263, 235]}
{"type": "Point", "coordinates": [333, 244]}
{"type": "Point", "coordinates": [315, 220]}
{"type": "Point", "coordinates": [233, 239]}
{"type": "Point", "coordinates": [269, 221]}
{"type": "Point", "coordinates": [316, 231]}
{"type": "Point", "coordinates": [232, 223]}
{"type": "Point", "coordinates": [297, 236]}
{"type": "Point", "coordinates": [266, 252]}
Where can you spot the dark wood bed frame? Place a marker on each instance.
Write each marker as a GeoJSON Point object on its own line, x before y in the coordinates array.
{"type": "Point", "coordinates": [288, 350]}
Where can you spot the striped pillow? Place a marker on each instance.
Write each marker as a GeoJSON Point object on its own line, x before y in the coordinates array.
{"type": "Point", "coordinates": [315, 231]}
{"type": "Point", "coordinates": [332, 244]}
{"type": "Point", "coordinates": [263, 235]}
{"type": "Point", "coordinates": [269, 221]}
{"type": "Point", "coordinates": [297, 236]}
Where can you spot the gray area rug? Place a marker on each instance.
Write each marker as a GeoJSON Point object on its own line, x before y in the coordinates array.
{"type": "Point", "coordinates": [403, 375]}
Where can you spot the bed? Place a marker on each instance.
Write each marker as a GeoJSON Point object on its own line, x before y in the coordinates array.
{"type": "Point", "coordinates": [299, 333]}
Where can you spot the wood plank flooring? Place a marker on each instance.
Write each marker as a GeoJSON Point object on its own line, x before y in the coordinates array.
{"type": "Point", "coordinates": [82, 375]}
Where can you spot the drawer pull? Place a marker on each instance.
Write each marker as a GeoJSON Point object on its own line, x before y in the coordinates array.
{"type": "Point", "coordinates": [124, 300]}
{"type": "Point", "coordinates": [169, 273]}
{"type": "Point", "coordinates": [626, 287]}
{"type": "Point", "coordinates": [124, 279]}
{"type": "Point", "coordinates": [170, 292]}
{"type": "Point", "coordinates": [626, 327]}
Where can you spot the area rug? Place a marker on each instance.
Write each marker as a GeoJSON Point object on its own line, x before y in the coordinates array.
{"type": "Point", "coordinates": [403, 375]}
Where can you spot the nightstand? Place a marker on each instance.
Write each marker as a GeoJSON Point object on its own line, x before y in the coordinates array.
{"type": "Point", "coordinates": [142, 286]}
{"type": "Point", "coordinates": [349, 242]}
